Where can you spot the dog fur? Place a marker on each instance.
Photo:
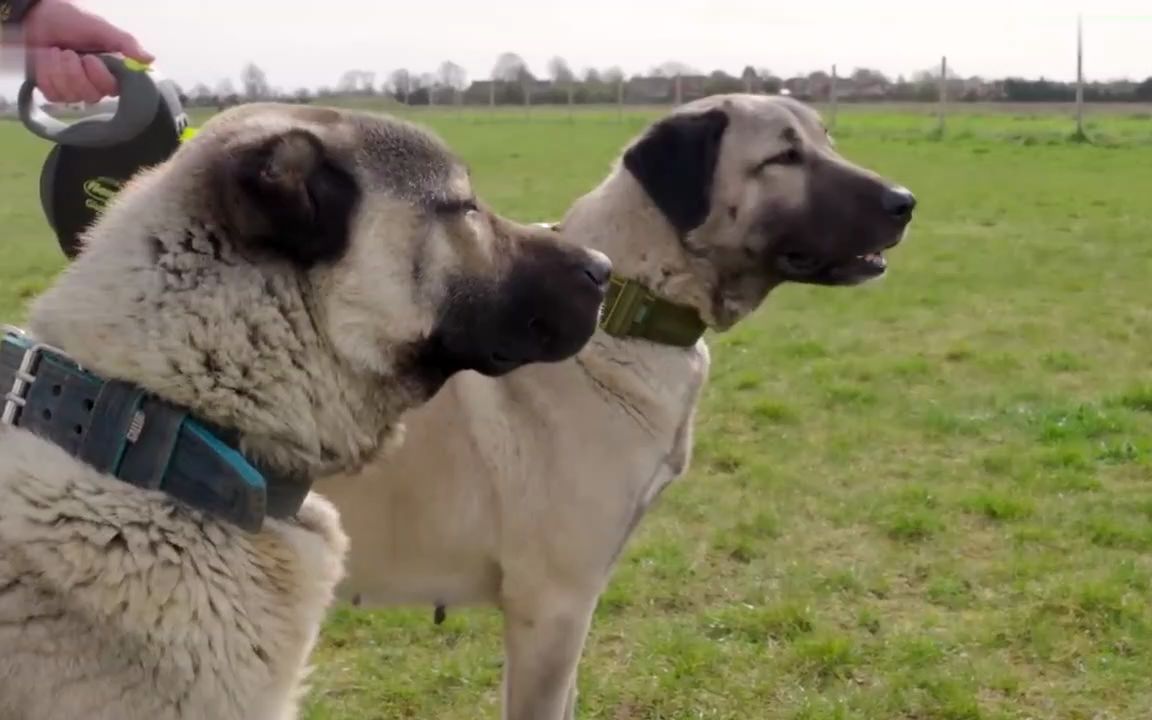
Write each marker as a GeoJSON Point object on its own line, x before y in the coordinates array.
{"type": "Point", "coordinates": [521, 492]}
{"type": "Point", "coordinates": [301, 276]}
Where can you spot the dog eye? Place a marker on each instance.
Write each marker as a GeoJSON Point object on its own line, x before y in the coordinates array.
{"type": "Point", "coordinates": [455, 207]}
{"type": "Point", "coordinates": [791, 156]}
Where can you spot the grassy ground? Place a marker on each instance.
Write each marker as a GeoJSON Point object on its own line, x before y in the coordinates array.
{"type": "Point", "coordinates": [930, 498]}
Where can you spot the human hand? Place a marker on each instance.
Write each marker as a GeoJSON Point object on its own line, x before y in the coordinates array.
{"type": "Point", "coordinates": [61, 38]}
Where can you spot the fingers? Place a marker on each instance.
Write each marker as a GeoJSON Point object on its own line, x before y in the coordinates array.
{"type": "Point", "coordinates": [45, 64]}
{"type": "Point", "coordinates": [64, 77]}
{"type": "Point", "coordinates": [75, 80]}
{"type": "Point", "coordinates": [100, 77]}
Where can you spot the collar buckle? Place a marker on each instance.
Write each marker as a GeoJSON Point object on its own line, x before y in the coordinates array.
{"type": "Point", "coordinates": [626, 308]}
{"type": "Point", "coordinates": [17, 396]}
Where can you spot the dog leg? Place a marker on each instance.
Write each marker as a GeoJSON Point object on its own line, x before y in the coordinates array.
{"type": "Point", "coordinates": [570, 706]}
{"type": "Point", "coordinates": [542, 651]}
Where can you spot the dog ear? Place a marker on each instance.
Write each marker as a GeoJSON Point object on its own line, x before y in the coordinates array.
{"type": "Point", "coordinates": [675, 162]}
{"type": "Point", "coordinates": [299, 201]}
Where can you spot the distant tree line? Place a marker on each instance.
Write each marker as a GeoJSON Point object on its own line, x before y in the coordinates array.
{"type": "Point", "coordinates": [512, 82]}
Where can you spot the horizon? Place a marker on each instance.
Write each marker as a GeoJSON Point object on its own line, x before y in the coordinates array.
{"type": "Point", "coordinates": [303, 50]}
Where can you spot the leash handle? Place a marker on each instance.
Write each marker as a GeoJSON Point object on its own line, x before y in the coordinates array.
{"type": "Point", "coordinates": [135, 110]}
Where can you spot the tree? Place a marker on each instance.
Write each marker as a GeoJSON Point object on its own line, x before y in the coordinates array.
{"type": "Point", "coordinates": [671, 69]}
{"type": "Point", "coordinates": [348, 82]}
{"type": "Point", "coordinates": [750, 78]}
{"type": "Point", "coordinates": [200, 92]}
{"type": "Point", "coordinates": [357, 82]}
{"type": "Point", "coordinates": [770, 82]}
{"type": "Point", "coordinates": [819, 84]}
{"type": "Point", "coordinates": [720, 82]}
{"type": "Point", "coordinates": [226, 94]}
{"type": "Point", "coordinates": [453, 76]}
{"type": "Point", "coordinates": [867, 76]}
{"type": "Point", "coordinates": [559, 71]}
{"type": "Point", "coordinates": [400, 82]}
{"type": "Point", "coordinates": [1143, 91]}
{"type": "Point", "coordinates": [614, 75]}
{"type": "Point", "coordinates": [423, 89]}
{"type": "Point", "coordinates": [592, 76]}
{"type": "Point", "coordinates": [509, 68]}
{"type": "Point", "coordinates": [255, 82]}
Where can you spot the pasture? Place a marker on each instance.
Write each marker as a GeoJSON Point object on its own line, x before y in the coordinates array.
{"type": "Point", "coordinates": [926, 498]}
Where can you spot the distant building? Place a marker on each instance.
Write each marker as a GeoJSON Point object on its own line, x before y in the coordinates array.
{"type": "Point", "coordinates": [649, 90]}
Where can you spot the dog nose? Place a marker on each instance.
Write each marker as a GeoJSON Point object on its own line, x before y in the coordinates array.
{"type": "Point", "coordinates": [898, 202]}
{"type": "Point", "coordinates": [598, 268]}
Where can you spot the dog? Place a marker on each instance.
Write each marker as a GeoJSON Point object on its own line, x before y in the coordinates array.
{"type": "Point", "coordinates": [521, 492]}
{"type": "Point", "coordinates": [251, 316]}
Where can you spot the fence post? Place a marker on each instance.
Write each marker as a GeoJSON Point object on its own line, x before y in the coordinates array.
{"type": "Point", "coordinates": [1080, 135]}
{"type": "Point", "coordinates": [832, 98]}
{"type": "Point", "coordinates": [943, 110]}
{"type": "Point", "coordinates": [620, 99]}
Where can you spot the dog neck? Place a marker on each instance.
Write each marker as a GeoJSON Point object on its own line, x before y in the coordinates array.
{"type": "Point", "coordinates": [620, 220]}
{"type": "Point", "coordinates": [176, 312]}
{"type": "Point", "coordinates": [613, 216]}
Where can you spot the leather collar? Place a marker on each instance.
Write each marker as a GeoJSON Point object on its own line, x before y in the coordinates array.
{"type": "Point", "coordinates": [124, 431]}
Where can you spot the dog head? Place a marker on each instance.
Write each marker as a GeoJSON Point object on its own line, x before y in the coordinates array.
{"type": "Point", "coordinates": [305, 275]}
{"type": "Point", "coordinates": [385, 219]}
{"type": "Point", "coordinates": [757, 195]}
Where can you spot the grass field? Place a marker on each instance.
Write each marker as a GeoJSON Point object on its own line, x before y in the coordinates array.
{"type": "Point", "coordinates": [930, 498]}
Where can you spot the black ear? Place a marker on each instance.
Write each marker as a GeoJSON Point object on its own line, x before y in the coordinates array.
{"type": "Point", "coordinates": [299, 202]}
{"type": "Point", "coordinates": [674, 163]}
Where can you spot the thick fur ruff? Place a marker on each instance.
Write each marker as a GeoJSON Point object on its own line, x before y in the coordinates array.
{"type": "Point", "coordinates": [118, 604]}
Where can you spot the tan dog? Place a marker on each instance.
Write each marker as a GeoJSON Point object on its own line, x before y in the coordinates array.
{"type": "Point", "coordinates": [522, 491]}
{"type": "Point", "coordinates": [248, 318]}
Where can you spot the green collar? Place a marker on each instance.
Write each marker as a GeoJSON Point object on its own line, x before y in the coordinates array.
{"type": "Point", "coordinates": [632, 310]}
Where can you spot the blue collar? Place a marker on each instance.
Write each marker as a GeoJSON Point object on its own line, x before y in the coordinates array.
{"type": "Point", "coordinates": [126, 432]}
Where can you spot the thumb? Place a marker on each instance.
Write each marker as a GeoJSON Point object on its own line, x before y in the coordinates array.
{"type": "Point", "coordinates": [110, 38]}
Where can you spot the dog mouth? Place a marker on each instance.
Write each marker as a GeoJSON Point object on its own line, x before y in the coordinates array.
{"type": "Point", "coordinates": [813, 270]}
{"type": "Point", "coordinates": [498, 364]}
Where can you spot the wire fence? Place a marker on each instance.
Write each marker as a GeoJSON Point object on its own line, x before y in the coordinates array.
{"type": "Point", "coordinates": [1027, 123]}
{"type": "Point", "coordinates": [938, 105]}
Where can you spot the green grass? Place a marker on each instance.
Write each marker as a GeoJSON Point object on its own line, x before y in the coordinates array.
{"type": "Point", "coordinates": [925, 499]}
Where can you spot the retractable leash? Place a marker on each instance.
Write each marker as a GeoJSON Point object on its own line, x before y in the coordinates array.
{"type": "Point", "coordinates": [93, 157]}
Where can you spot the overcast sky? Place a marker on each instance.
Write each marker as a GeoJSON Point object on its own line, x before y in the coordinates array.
{"type": "Point", "coordinates": [311, 42]}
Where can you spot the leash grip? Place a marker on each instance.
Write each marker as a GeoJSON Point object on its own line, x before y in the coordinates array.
{"type": "Point", "coordinates": [136, 107]}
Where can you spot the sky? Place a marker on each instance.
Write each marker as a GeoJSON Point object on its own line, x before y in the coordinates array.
{"type": "Point", "coordinates": [310, 43]}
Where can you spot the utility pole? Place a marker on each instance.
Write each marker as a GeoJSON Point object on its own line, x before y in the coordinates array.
{"type": "Point", "coordinates": [1080, 78]}
{"type": "Point", "coordinates": [832, 99]}
{"type": "Point", "coordinates": [943, 96]}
